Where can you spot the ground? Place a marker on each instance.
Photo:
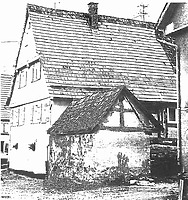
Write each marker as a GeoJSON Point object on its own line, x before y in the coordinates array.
{"type": "Point", "coordinates": [19, 187]}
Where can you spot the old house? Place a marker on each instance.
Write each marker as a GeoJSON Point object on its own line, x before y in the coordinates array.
{"type": "Point", "coordinates": [5, 117]}
{"type": "Point", "coordinates": [173, 22]}
{"type": "Point", "coordinates": [65, 56]}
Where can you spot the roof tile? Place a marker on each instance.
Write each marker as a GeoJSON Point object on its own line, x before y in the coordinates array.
{"type": "Point", "coordinates": [120, 52]}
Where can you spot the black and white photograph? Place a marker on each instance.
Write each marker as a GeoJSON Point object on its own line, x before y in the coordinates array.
{"type": "Point", "coordinates": [94, 100]}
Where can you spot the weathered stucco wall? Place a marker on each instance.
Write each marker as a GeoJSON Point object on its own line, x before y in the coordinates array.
{"type": "Point", "coordinates": [28, 48]}
{"type": "Point", "coordinates": [102, 157]}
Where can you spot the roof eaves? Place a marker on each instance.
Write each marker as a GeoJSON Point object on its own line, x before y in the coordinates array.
{"type": "Point", "coordinates": [162, 15]}
{"type": "Point", "coordinates": [165, 15]}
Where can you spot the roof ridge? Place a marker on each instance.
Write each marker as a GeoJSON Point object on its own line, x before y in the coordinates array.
{"type": "Point", "coordinates": [81, 15]}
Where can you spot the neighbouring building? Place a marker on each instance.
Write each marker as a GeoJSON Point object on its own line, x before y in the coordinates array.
{"type": "Point", "coordinates": [173, 22]}
{"type": "Point", "coordinates": [5, 118]}
{"type": "Point", "coordinates": [65, 56]}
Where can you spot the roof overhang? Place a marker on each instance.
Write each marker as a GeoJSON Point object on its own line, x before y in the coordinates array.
{"type": "Point", "coordinates": [165, 15]}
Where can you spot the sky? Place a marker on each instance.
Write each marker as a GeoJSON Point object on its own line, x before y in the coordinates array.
{"type": "Point", "coordinates": [12, 16]}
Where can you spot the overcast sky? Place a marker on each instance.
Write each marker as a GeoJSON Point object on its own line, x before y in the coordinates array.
{"type": "Point", "coordinates": [12, 17]}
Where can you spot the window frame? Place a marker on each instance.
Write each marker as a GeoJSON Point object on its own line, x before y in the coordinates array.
{"type": "Point", "coordinates": [168, 115]}
{"type": "Point", "coordinates": [35, 71]}
{"type": "Point", "coordinates": [21, 116]}
{"type": "Point", "coordinates": [36, 114]}
{"type": "Point", "coordinates": [22, 78]}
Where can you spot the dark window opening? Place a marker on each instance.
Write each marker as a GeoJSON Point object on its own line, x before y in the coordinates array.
{"type": "Point", "coordinates": [172, 114]}
{"type": "Point", "coordinates": [2, 146]}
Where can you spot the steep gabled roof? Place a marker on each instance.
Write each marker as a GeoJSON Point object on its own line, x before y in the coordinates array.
{"type": "Point", "coordinates": [120, 52]}
{"type": "Point", "coordinates": [86, 115]}
{"type": "Point", "coordinates": [5, 91]}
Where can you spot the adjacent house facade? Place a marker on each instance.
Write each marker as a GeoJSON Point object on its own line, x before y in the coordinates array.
{"type": "Point", "coordinates": [173, 22]}
{"type": "Point", "coordinates": [5, 117]}
{"type": "Point", "coordinates": [65, 56]}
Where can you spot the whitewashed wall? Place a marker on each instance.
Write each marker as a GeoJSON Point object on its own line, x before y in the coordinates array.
{"type": "Point", "coordinates": [107, 145]}
{"type": "Point", "coordinates": [38, 117]}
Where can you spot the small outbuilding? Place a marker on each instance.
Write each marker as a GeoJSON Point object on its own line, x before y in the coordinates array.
{"type": "Point", "coordinates": [102, 137]}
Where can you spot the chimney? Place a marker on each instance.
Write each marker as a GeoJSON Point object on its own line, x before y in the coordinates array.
{"type": "Point", "coordinates": [93, 15]}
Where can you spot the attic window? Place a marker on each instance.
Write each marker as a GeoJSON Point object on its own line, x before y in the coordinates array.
{"type": "Point", "coordinates": [23, 78]}
{"type": "Point", "coordinates": [36, 71]}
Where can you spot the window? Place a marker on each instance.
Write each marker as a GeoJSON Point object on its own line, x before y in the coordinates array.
{"type": "Point", "coordinates": [23, 78]}
{"type": "Point", "coordinates": [5, 127]}
{"type": "Point", "coordinates": [36, 71]}
{"type": "Point", "coordinates": [171, 113]}
{"type": "Point", "coordinates": [15, 116]}
{"type": "Point", "coordinates": [2, 146]}
{"type": "Point", "coordinates": [21, 116]}
{"type": "Point", "coordinates": [36, 114]}
{"type": "Point", "coordinates": [45, 113]}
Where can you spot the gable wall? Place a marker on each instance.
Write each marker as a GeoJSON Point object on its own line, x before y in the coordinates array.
{"type": "Point", "coordinates": [28, 48]}
{"type": "Point", "coordinates": [58, 107]}
{"type": "Point", "coordinates": [32, 91]}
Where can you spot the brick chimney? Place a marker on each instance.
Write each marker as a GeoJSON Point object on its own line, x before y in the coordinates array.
{"type": "Point", "coordinates": [93, 15]}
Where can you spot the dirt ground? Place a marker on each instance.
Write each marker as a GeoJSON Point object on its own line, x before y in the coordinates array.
{"type": "Point", "coordinates": [20, 187]}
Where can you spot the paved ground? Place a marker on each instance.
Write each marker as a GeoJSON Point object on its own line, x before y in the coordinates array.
{"type": "Point", "coordinates": [19, 187]}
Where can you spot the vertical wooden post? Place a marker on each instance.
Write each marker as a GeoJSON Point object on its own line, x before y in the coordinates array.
{"type": "Point", "coordinates": [165, 123]}
{"type": "Point", "coordinates": [121, 114]}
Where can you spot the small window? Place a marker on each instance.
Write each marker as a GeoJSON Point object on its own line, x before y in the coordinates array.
{"type": "Point", "coordinates": [171, 114]}
{"type": "Point", "coordinates": [4, 128]}
{"type": "Point", "coordinates": [23, 78]}
{"type": "Point", "coordinates": [6, 148]}
{"type": "Point", "coordinates": [15, 117]}
{"type": "Point", "coordinates": [45, 113]}
{"type": "Point", "coordinates": [12, 118]}
{"type": "Point", "coordinates": [36, 71]}
{"type": "Point", "coordinates": [36, 114]}
{"type": "Point", "coordinates": [21, 116]}
{"type": "Point", "coordinates": [2, 146]}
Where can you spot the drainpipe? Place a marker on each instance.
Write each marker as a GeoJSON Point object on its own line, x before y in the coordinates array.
{"type": "Point", "coordinates": [179, 145]}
